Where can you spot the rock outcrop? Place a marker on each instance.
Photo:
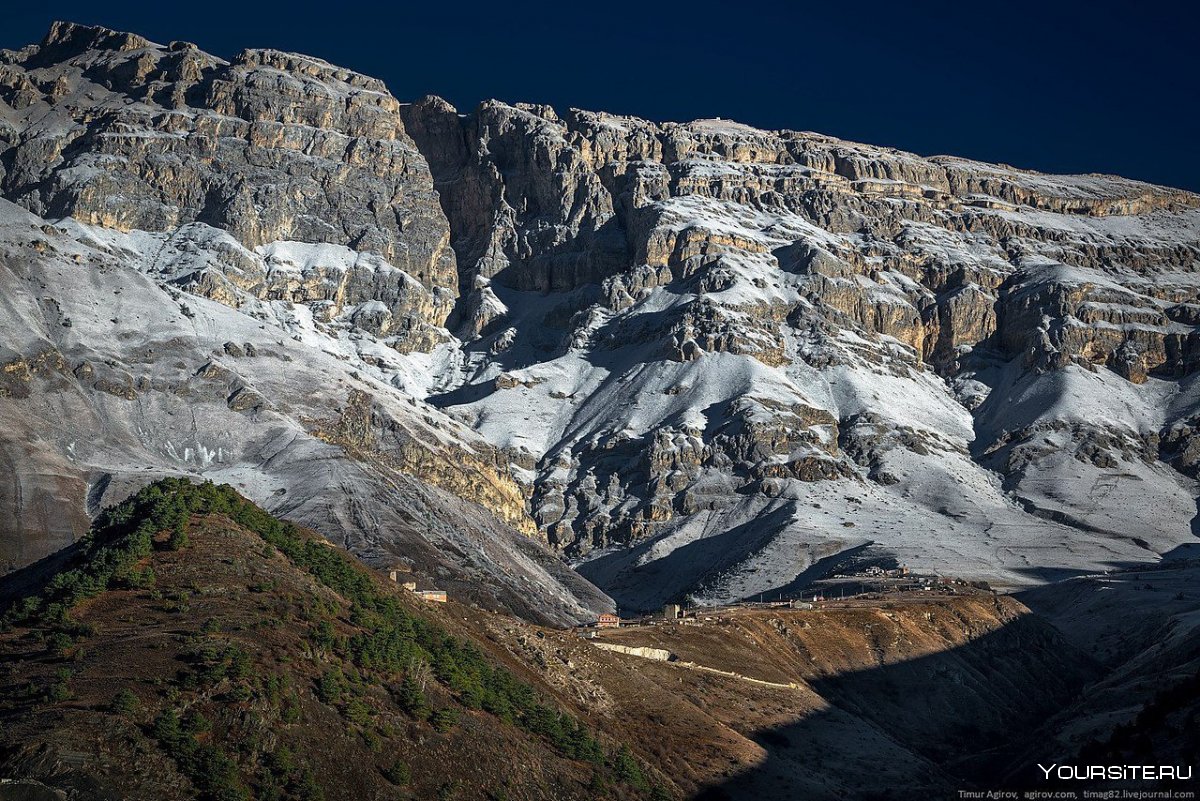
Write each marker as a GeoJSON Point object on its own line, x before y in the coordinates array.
{"type": "Point", "coordinates": [271, 147]}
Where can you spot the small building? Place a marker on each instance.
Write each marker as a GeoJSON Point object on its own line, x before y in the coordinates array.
{"type": "Point", "coordinates": [608, 620]}
{"type": "Point", "coordinates": [672, 611]}
{"type": "Point", "coordinates": [411, 586]}
{"type": "Point", "coordinates": [435, 596]}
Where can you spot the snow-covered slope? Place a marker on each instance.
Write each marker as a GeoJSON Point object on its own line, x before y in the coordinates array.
{"type": "Point", "coordinates": [695, 359]}
{"type": "Point", "coordinates": [111, 378]}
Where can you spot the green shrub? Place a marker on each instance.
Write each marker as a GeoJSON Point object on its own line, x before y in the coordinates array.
{"type": "Point", "coordinates": [196, 723]}
{"type": "Point", "coordinates": [59, 643]}
{"type": "Point", "coordinates": [358, 712]}
{"type": "Point", "coordinates": [59, 691]}
{"type": "Point", "coordinates": [281, 762]}
{"type": "Point", "coordinates": [659, 793]}
{"type": "Point", "coordinates": [142, 579]}
{"type": "Point", "coordinates": [306, 787]}
{"type": "Point", "coordinates": [240, 693]}
{"type": "Point", "coordinates": [125, 703]}
{"type": "Point", "coordinates": [372, 740]}
{"type": "Point", "coordinates": [291, 709]}
{"type": "Point", "coordinates": [331, 686]}
{"type": "Point", "coordinates": [398, 773]}
{"type": "Point", "coordinates": [166, 727]}
{"type": "Point", "coordinates": [264, 586]}
{"type": "Point", "coordinates": [598, 786]}
{"type": "Point", "coordinates": [276, 688]}
{"type": "Point", "coordinates": [627, 770]}
{"type": "Point", "coordinates": [179, 537]}
{"type": "Point", "coordinates": [444, 719]}
{"type": "Point", "coordinates": [239, 662]}
{"type": "Point", "coordinates": [411, 698]}
{"type": "Point", "coordinates": [209, 768]}
{"type": "Point", "coordinates": [323, 636]}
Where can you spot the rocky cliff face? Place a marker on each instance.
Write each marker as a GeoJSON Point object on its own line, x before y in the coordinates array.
{"type": "Point", "coordinates": [115, 131]}
{"type": "Point", "coordinates": [725, 317]}
{"type": "Point", "coordinates": [700, 357]}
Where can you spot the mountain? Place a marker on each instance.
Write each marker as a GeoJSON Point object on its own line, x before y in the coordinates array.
{"type": "Point", "coordinates": [115, 373]}
{"type": "Point", "coordinates": [1142, 627]}
{"type": "Point", "coordinates": [695, 360]}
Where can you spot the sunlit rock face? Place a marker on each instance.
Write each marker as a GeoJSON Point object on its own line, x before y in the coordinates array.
{"type": "Point", "coordinates": [272, 147]}
{"type": "Point", "coordinates": [692, 329]}
{"type": "Point", "coordinates": [696, 359]}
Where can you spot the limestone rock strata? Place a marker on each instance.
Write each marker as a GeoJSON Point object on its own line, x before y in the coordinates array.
{"type": "Point", "coordinates": [366, 430]}
{"type": "Point", "coordinates": [271, 147]}
{"type": "Point", "coordinates": [793, 249]}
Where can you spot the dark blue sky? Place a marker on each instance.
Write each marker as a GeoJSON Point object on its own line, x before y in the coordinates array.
{"type": "Point", "coordinates": [1055, 86]}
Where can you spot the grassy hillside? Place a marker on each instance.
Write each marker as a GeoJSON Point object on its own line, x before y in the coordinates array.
{"type": "Point", "coordinates": [196, 647]}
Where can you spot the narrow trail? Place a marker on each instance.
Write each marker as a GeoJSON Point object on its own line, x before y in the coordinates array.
{"type": "Point", "coordinates": [763, 682]}
{"type": "Point", "coordinates": [660, 655]}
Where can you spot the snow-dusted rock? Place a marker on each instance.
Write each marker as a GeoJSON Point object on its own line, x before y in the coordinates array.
{"type": "Point", "coordinates": [696, 358]}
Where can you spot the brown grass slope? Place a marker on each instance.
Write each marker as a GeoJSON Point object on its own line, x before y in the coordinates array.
{"type": "Point", "coordinates": [905, 700]}
{"type": "Point", "coordinates": [232, 662]}
{"type": "Point", "coordinates": [250, 647]}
